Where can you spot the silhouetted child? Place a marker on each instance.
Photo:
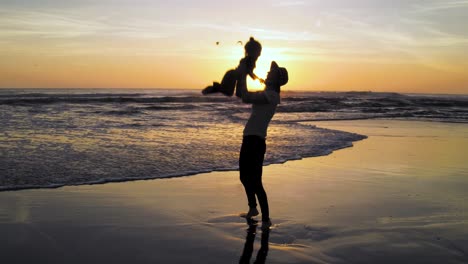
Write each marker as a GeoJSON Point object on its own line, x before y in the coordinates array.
{"type": "Point", "coordinates": [253, 49]}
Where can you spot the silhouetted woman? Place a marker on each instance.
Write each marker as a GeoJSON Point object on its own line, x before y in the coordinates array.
{"type": "Point", "coordinates": [253, 147]}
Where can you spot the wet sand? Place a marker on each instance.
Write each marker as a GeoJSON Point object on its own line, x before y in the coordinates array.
{"type": "Point", "coordinates": [398, 196]}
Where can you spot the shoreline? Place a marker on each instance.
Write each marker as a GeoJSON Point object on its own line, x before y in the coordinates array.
{"type": "Point", "coordinates": [398, 196]}
{"type": "Point", "coordinates": [187, 174]}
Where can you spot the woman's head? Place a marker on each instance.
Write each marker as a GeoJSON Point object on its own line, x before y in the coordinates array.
{"type": "Point", "coordinates": [277, 77]}
{"type": "Point", "coordinates": [253, 48]}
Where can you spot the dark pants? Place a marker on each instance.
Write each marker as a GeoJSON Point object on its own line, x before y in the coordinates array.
{"type": "Point", "coordinates": [250, 166]}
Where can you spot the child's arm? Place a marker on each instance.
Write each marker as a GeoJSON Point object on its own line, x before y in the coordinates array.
{"type": "Point", "coordinates": [255, 77]}
{"type": "Point", "coordinates": [249, 97]}
{"type": "Point", "coordinates": [250, 66]}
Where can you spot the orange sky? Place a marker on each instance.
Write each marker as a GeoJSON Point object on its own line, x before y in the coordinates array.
{"type": "Point", "coordinates": [420, 46]}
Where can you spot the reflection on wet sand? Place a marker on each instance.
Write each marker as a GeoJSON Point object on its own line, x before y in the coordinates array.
{"type": "Point", "coordinates": [249, 245]}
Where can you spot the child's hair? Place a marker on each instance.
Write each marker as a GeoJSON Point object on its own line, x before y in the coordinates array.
{"type": "Point", "coordinates": [253, 47]}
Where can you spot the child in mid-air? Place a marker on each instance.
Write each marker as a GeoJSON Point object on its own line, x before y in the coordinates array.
{"type": "Point", "coordinates": [253, 49]}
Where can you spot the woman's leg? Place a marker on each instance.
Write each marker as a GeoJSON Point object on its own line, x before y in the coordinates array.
{"type": "Point", "coordinates": [251, 168]}
{"type": "Point", "coordinates": [258, 185]}
{"type": "Point", "coordinates": [263, 201]}
{"type": "Point", "coordinates": [245, 170]}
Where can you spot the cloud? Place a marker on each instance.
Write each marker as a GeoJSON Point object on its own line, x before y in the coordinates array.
{"type": "Point", "coordinates": [259, 32]}
{"type": "Point", "coordinates": [439, 6]}
{"type": "Point", "coordinates": [336, 30]}
{"type": "Point", "coordinates": [76, 33]}
{"type": "Point", "coordinates": [63, 25]}
{"type": "Point", "coordinates": [289, 3]}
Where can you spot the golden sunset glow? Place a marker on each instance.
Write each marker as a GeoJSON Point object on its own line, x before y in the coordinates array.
{"type": "Point", "coordinates": [263, 66]}
{"type": "Point", "coordinates": [415, 46]}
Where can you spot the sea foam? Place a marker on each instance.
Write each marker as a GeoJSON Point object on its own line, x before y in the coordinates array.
{"type": "Point", "coordinates": [51, 138]}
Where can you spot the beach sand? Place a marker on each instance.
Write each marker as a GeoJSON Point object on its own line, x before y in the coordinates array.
{"type": "Point", "coordinates": [399, 196]}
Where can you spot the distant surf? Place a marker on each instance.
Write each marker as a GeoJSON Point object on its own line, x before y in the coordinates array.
{"type": "Point", "coordinates": [52, 137]}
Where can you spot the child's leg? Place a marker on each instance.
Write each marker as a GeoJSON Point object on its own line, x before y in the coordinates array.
{"type": "Point", "coordinates": [212, 88]}
{"type": "Point", "coordinates": [228, 84]}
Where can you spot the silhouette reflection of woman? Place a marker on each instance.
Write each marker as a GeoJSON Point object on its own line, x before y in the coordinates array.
{"type": "Point", "coordinates": [253, 144]}
{"type": "Point", "coordinates": [249, 246]}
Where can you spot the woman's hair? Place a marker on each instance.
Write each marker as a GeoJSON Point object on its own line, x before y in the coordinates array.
{"type": "Point", "coordinates": [280, 77]}
{"type": "Point", "coordinates": [253, 47]}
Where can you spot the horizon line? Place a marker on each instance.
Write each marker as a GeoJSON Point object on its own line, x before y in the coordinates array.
{"type": "Point", "coordinates": [288, 90]}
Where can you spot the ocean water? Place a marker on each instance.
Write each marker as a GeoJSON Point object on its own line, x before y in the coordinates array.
{"type": "Point", "coordinates": [53, 137]}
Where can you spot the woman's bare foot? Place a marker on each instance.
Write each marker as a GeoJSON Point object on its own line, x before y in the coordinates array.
{"type": "Point", "coordinates": [266, 225]}
{"type": "Point", "coordinates": [251, 213]}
